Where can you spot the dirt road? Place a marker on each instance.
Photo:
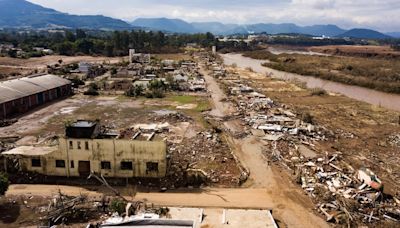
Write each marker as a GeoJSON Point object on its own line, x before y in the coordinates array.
{"type": "Point", "coordinates": [209, 197]}
{"type": "Point", "coordinates": [280, 191]}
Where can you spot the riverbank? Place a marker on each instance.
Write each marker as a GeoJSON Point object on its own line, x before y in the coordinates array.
{"type": "Point", "coordinates": [366, 134]}
{"type": "Point", "coordinates": [374, 73]}
{"type": "Point", "coordinates": [377, 98]}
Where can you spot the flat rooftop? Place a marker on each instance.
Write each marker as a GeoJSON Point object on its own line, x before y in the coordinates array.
{"type": "Point", "coordinates": [30, 151]}
{"type": "Point", "coordinates": [83, 123]}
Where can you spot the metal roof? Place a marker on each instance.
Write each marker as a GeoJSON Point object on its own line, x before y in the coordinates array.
{"type": "Point", "coordinates": [22, 87]}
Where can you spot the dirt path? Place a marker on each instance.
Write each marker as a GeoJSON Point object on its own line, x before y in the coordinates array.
{"type": "Point", "coordinates": [291, 215]}
{"type": "Point", "coordinates": [285, 199]}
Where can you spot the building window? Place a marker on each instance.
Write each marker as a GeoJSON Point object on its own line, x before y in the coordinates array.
{"type": "Point", "coordinates": [72, 164]}
{"type": "Point", "coordinates": [71, 145]}
{"type": "Point", "coordinates": [152, 167]}
{"type": "Point", "coordinates": [60, 163]}
{"type": "Point", "coordinates": [79, 145]}
{"type": "Point", "coordinates": [86, 145]}
{"type": "Point", "coordinates": [126, 165]}
{"type": "Point", "coordinates": [105, 165]}
{"type": "Point", "coordinates": [36, 162]}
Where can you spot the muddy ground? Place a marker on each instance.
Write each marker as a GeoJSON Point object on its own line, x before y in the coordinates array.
{"type": "Point", "coordinates": [192, 141]}
{"type": "Point", "coordinates": [364, 133]}
{"type": "Point", "coordinates": [14, 67]}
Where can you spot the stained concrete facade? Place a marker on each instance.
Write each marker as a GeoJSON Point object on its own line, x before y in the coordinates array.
{"type": "Point", "coordinates": [110, 157]}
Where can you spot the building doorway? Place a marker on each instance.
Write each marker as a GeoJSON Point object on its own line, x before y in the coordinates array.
{"type": "Point", "coordinates": [84, 168]}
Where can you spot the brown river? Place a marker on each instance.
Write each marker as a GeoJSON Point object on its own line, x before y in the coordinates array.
{"type": "Point", "coordinates": [387, 100]}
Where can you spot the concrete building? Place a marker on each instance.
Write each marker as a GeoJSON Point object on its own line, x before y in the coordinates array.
{"type": "Point", "coordinates": [138, 57]}
{"type": "Point", "coordinates": [22, 95]}
{"type": "Point", "coordinates": [85, 149]}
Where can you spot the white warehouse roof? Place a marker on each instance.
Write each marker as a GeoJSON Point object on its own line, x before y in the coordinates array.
{"type": "Point", "coordinates": [22, 87]}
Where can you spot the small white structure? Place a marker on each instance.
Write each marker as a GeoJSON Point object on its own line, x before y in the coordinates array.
{"type": "Point", "coordinates": [214, 50]}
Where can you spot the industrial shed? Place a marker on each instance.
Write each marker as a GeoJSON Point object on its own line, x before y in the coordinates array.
{"type": "Point", "coordinates": [18, 96]}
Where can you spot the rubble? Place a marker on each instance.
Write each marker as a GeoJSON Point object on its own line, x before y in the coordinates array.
{"type": "Point", "coordinates": [63, 208]}
{"type": "Point", "coordinates": [201, 159]}
{"type": "Point", "coordinates": [394, 140]}
{"type": "Point", "coordinates": [343, 195]}
{"type": "Point", "coordinates": [7, 122]}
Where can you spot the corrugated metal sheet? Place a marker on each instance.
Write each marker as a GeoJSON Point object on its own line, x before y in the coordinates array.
{"type": "Point", "coordinates": [22, 87]}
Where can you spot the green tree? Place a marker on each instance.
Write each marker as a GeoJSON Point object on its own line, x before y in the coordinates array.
{"type": "Point", "coordinates": [65, 48]}
{"type": "Point", "coordinates": [70, 36]}
{"type": "Point", "coordinates": [80, 34]}
{"type": "Point", "coordinates": [84, 45]}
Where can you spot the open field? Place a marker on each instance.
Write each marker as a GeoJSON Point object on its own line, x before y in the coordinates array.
{"type": "Point", "coordinates": [22, 67]}
{"type": "Point", "coordinates": [378, 74]}
{"type": "Point", "coordinates": [53, 59]}
{"type": "Point", "coordinates": [367, 51]}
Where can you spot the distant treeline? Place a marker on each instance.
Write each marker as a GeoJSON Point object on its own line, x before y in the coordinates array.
{"type": "Point", "coordinates": [116, 43]}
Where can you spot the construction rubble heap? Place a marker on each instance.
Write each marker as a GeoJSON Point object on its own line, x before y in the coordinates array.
{"type": "Point", "coordinates": [340, 192]}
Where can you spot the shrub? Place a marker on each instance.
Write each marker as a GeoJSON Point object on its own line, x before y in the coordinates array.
{"type": "Point", "coordinates": [135, 91]}
{"type": "Point", "coordinates": [117, 205]}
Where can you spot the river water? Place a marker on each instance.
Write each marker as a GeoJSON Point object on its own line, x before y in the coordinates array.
{"type": "Point", "coordinates": [387, 100]}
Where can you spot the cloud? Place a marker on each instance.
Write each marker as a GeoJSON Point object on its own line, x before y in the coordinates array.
{"type": "Point", "coordinates": [315, 4]}
{"type": "Point", "coordinates": [375, 14]}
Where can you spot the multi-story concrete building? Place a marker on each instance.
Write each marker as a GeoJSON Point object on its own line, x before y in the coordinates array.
{"type": "Point", "coordinates": [85, 149]}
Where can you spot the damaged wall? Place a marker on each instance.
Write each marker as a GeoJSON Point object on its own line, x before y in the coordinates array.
{"type": "Point", "coordinates": [110, 157]}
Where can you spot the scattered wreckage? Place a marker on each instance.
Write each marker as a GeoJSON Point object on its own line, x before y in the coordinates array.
{"type": "Point", "coordinates": [343, 194]}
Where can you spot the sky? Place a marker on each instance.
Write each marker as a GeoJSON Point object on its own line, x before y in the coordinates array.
{"type": "Point", "coordinates": [382, 15]}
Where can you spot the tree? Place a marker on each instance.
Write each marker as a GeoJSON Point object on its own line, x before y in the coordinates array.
{"type": "Point", "coordinates": [80, 34]}
{"type": "Point", "coordinates": [3, 183]}
{"type": "Point", "coordinates": [70, 36]}
{"type": "Point", "coordinates": [84, 45]}
{"type": "Point", "coordinates": [65, 48]}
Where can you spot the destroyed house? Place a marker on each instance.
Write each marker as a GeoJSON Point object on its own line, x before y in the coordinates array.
{"type": "Point", "coordinates": [86, 149]}
{"type": "Point", "coordinates": [21, 95]}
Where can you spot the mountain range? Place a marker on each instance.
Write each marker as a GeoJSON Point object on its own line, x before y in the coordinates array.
{"type": "Point", "coordinates": [181, 26]}
{"type": "Point", "coordinates": [24, 14]}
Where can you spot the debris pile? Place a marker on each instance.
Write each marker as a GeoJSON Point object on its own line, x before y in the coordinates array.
{"type": "Point", "coordinates": [172, 117]}
{"type": "Point", "coordinates": [63, 208]}
{"type": "Point", "coordinates": [7, 122]}
{"type": "Point", "coordinates": [206, 154]}
{"type": "Point", "coordinates": [343, 194]}
{"type": "Point", "coordinates": [394, 140]}
{"type": "Point", "coordinates": [275, 120]}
